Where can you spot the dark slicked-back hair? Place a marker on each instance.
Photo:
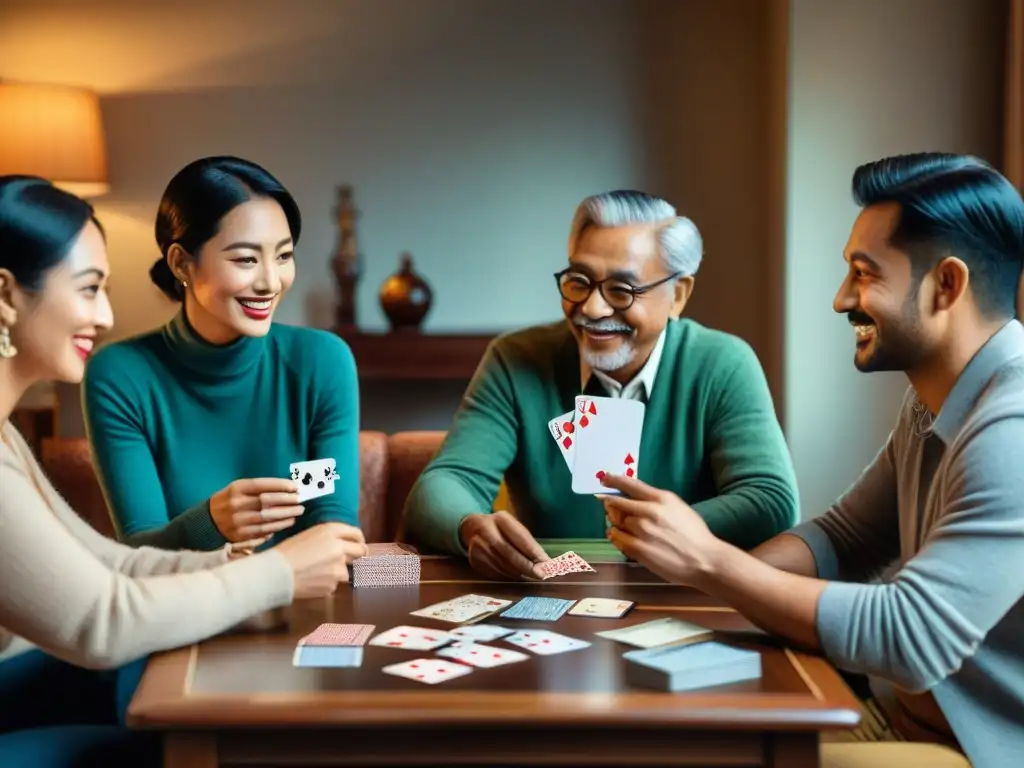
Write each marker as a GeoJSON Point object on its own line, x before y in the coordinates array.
{"type": "Point", "coordinates": [953, 205]}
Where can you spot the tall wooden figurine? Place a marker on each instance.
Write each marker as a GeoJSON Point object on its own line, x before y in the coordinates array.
{"type": "Point", "coordinates": [347, 262]}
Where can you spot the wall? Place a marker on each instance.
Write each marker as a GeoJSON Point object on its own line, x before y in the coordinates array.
{"type": "Point", "coordinates": [867, 79]}
{"type": "Point", "coordinates": [469, 131]}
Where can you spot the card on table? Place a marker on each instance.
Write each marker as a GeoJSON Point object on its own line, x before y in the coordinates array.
{"type": "Point", "coordinates": [478, 655]}
{"type": "Point", "coordinates": [538, 608]}
{"type": "Point", "coordinates": [463, 609]}
{"type": "Point", "coordinates": [544, 642]}
{"type": "Point", "coordinates": [327, 656]}
{"type": "Point", "coordinates": [338, 635]}
{"type": "Point", "coordinates": [567, 562]}
{"type": "Point", "coordinates": [608, 432]}
{"type": "Point", "coordinates": [658, 632]}
{"type": "Point", "coordinates": [481, 633]}
{"type": "Point", "coordinates": [314, 478]}
{"type": "Point", "coordinates": [412, 638]}
{"type": "Point", "coordinates": [429, 671]}
{"type": "Point", "coordinates": [601, 607]}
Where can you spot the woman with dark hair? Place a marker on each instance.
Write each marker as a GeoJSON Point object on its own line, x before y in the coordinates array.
{"type": "Point", "coordinates": [194, 425]}
{"type": "Point", "coordinates": [73, 602]}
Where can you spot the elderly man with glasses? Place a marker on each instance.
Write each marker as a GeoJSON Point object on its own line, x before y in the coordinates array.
{"type": "Point", "coordinates": [710, 433]}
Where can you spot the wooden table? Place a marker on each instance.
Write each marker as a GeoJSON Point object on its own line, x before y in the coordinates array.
{"type": "Point", "coordinates": [237, 699]}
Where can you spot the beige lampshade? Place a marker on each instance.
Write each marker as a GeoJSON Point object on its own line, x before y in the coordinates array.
{"type": "Point", "coordinates": [55, 132]}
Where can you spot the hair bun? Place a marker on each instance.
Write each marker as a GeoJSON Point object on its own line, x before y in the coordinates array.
{"type": "Point", "coordinates": [161, 275]}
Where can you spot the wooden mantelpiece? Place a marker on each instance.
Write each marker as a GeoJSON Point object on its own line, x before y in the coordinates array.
{"type": "Point", "coordinates": [413, 356]}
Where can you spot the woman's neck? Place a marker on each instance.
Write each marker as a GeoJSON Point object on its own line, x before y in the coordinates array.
{"type": "Point", "coordinates": [13, 386]}
{"type": "Point", "coordinates": [206, 327]}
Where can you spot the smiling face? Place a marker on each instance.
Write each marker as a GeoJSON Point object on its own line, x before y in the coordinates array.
{"type": "Point", "coordinates": [54, 329]}
{"type": "Point", "coordinates": [240, 275]}
{"type": "Point", "coordinates": [882, 298]}
{"type": "Point", "coordinates": [613, 340]}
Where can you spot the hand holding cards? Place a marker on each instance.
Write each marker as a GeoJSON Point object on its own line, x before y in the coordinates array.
{"type": "Point", "coordinates": [250, 510]}
{"type": "Point", "coordinates": [314, 478]}
{"type": "Point", "coordinates": [601, 436]}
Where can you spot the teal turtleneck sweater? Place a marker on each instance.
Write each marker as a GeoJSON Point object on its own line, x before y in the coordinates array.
{"type": "Point", "coordinates": [173, 419]}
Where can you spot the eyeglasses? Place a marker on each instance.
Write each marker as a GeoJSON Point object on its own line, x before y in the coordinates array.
{"type": "Point", "coordinates": [618, 294]}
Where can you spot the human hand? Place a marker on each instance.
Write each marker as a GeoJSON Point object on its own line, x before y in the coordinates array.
{"type": "Point", "coordinates": [659, 530]}
{"type": "Point", "coordinates": [249, 511]}
{"type": "Point", "coordinates": [319, 557]}
{"type": "Point", "coordinates": [500, 547]}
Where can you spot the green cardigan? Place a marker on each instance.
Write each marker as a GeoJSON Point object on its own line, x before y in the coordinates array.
{"type": "Point", "coordinates": [173, 419]}
{"type": "Point", "coordinates": [710, 435]}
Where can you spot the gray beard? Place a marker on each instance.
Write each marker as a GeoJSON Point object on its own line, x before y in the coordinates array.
{"type": "Point", "coordinates": [607, 362]}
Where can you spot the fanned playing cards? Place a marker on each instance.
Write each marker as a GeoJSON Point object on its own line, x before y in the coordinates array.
{"type": "Point", "coordinates": [600, 436]}
{"type": "Point", "coordinates": [568, 562]}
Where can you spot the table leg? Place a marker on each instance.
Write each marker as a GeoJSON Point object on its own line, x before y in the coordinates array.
{"type": "Point", "coordinates": [793, 750]}
{"type": "Point", "coordinates": [183, 749]}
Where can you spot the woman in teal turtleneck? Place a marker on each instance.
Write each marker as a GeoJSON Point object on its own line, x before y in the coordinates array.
{"type": "Point", "coordinates": [194, 425]}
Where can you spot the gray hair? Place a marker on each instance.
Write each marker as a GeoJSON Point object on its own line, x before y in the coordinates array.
{"type": "Point", "coordinates": [679, 240]}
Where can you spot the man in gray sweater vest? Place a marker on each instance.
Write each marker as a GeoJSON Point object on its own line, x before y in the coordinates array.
{"type": "Point", "coordinates": [915, 576]}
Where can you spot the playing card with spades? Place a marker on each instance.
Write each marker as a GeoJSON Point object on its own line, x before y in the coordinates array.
{"type": "Point", "coordinates": [314, 478]}
{"type": "Point", "coordinates": [608, 432]}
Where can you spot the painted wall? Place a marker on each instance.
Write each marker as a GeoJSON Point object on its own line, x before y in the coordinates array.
{"type": "Point", "coordinates": [469, 130]}
{"type": "Point", "coordinates": [867, 79]}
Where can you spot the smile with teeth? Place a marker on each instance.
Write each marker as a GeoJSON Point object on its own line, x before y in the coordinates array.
{"type": "Point", "coordinates": [257, 305]}
{"type": "Point", "coordinates": [864, 331]}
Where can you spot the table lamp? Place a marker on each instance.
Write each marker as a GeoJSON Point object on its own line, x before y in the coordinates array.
{"type": "Point", "coordinates": [56, 132]}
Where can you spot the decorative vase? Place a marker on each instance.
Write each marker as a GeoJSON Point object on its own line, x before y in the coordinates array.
{"type": "Point", "coordinates": [405, 297]}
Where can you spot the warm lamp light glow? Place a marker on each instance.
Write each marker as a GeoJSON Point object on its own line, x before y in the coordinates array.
{"type": "Point", "coordinates": [55, 132]}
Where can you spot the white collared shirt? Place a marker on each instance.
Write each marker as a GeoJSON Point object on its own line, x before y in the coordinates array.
{"type": "Point", "coordinates": [637, 388]}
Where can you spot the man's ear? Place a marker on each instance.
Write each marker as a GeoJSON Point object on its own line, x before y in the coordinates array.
{"type": "Point", "coordinates": [180, 262]}
{"type": "Point", "coordinates": [8, 298]}
{"type": "Point", "coordinates": [682, 290]}
{"type": "Point", "coordinates": [951, 280]}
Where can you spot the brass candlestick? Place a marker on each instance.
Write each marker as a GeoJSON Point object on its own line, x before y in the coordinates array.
{"type": "Point", "coordinates": [347, 262]}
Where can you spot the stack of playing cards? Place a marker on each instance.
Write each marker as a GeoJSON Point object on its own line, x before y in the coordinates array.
{"type": "Point", "coordinates": [461, 610]}
{"type": "Point", "coordinates": [651, 634]}
{"type": "Point", "coordinates": [313, 478]}
{"type": "Point", "coordinates": [332, 645]}
{"type": "Point", "coordinates": [386, 565]}
{"type": "Point", "coordinates": [688, 667]}
{"type": "Point", "coordinates": [569, 562]}
{"type": "Point", "coordinates": [601, 436]}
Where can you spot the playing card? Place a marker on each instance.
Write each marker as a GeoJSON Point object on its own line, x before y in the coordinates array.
{"type": "Point", "coordinates": [429, 671]}
{"type": "Point", "coordinates": [481, 633]}
{"type": "Point", "coordinates": [607, 441]}
{"type": "Point", "coordinates": [562, 429]}
{"type": "Point", "coordinates": [314, 478]}
{"type": "Point", "coordinates": [601, 607]}
{"type": "Point", "coordinates": [412, 638]}
{"type": "Point", "coordinates": [538, 609]}
{"type": "Point", "coordinates": [481, 655]}
{"type": "Point", "coordinates": [338, 634]}
{"type": "Point", "coordinates": [327, 656]}
{"type": "Point", "coordinates": [545, 643]}
{"type": "Point", "coordinates": [462, 609]}
{"type": "Point", "coordinates": [651, 634]}
{"type": "Point", "coordinates": [567, 562]}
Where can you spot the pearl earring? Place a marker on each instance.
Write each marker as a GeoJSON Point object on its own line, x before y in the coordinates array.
{"type": "Point", "coordinates": [7, 349]}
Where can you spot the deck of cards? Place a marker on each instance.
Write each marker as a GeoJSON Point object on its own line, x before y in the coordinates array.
{"type": "Point", "coordinates": [600, 436]}
{"type": "Point", "coordinates": [314, 478]}
{"type": "Point", "coordinates": [689, 667]}
{"type": "Point", "coordinates": [386, 565]}
{"type": "Point", "coordinates": [332, 645]}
